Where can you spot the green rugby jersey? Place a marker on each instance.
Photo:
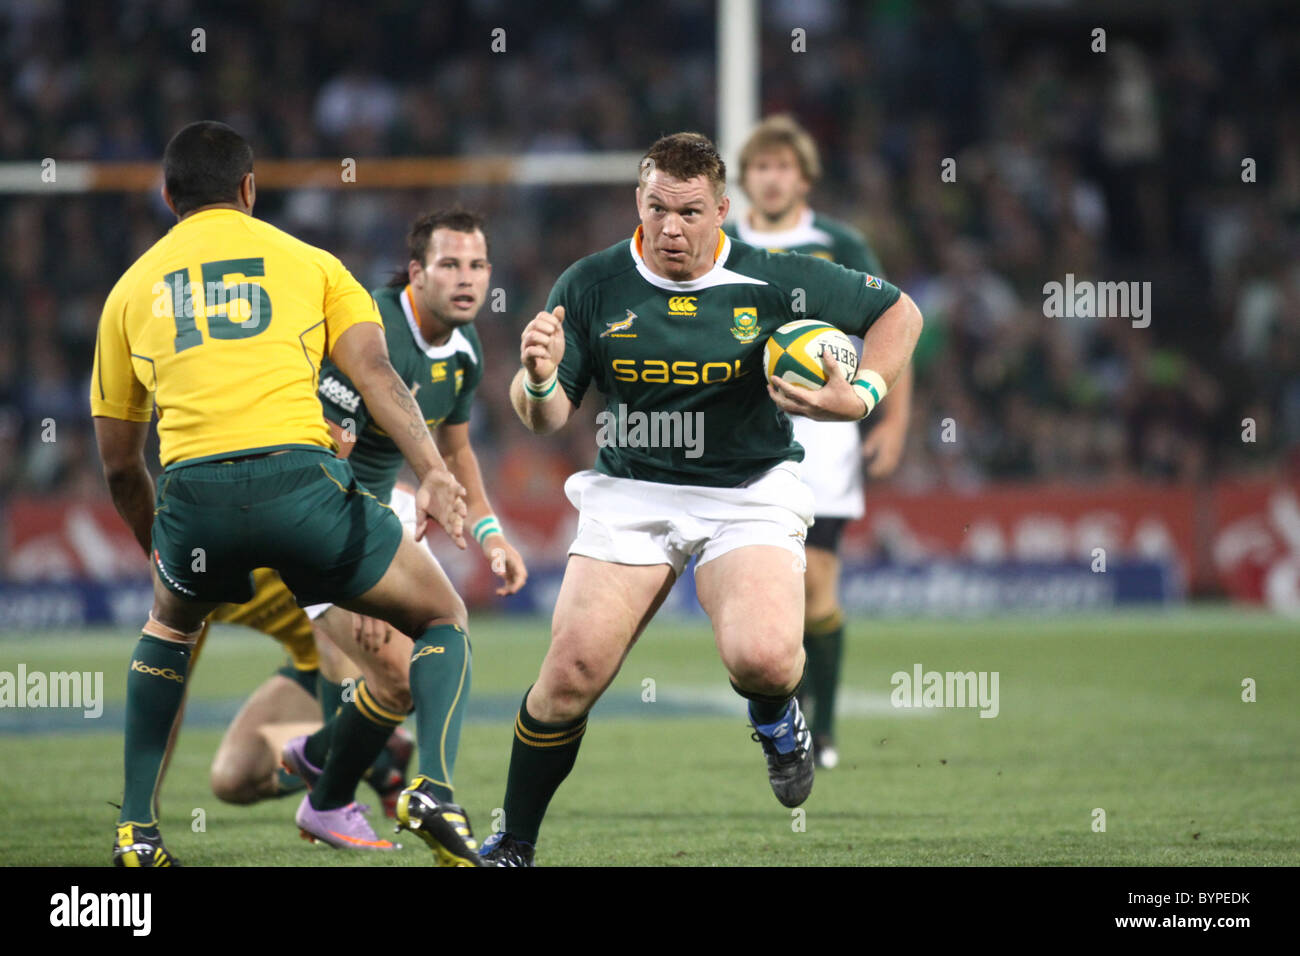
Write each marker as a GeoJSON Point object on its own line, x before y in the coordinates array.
{"type": "Point", "coordinates": [814, 235]}
{"type": "Point", "coordinates": [672, 356]}
{"type": "Point", "coordinates": [442, 377]}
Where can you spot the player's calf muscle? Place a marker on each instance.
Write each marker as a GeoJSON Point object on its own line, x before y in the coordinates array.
{"type": "Point", "coordinates": [821, 584]}
{"type": "Point", "coordinates": [335, 666]}
{"type": "Point", "coordinates": [386, 669]}
{"type": "Point", "coordinates": [388, 674]}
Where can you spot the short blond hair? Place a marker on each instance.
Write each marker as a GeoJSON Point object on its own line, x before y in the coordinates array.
{"type": "Point", "coordinates": [782, 130]}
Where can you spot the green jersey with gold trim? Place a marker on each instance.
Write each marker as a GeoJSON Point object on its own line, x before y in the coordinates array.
{"type": "Point", "coordinates": [442, 377]}
{"type": "Point", "coordinates": [681, 363]}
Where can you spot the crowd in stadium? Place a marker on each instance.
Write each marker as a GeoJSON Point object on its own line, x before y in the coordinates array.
{"type": "Point", "coordinates": [1125, 165]}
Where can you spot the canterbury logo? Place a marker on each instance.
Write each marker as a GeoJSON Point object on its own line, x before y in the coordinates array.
{"type": "Point", "coordinates": [435, 649]}
{"type": "Point", "coordinates": [682, 305]}
{"type": "Point", "coordinates": [166, 672]}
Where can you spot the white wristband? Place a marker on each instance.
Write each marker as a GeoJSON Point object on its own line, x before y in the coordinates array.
{"type": "Point", "coordinates": [542, 390]}
{"type": "Point", "coordinates": [870, 387]}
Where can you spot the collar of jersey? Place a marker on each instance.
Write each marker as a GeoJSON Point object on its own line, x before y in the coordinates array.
{"type": "Point", "coordinates": [801, 233]}
{"type": "Point", "coordinates": [718, 275]}
{"type": "Point", "coordinates": [207, 214]}
{"type": "Point", "coordinates": [457, 342]}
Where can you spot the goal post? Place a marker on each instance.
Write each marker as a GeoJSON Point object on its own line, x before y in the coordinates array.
{"type": "Point", "coordinates": [737, 86]}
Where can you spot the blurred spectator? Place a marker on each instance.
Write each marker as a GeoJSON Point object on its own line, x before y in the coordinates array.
{"type": "Point", "coordinates": [1117, 166]}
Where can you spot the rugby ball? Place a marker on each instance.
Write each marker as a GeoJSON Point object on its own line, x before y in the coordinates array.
{"type": "Point", "coordinates": [793, 353]}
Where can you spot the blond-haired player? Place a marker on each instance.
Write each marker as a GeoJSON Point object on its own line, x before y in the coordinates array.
{"type": "Point", "coordinates": [779, 164]}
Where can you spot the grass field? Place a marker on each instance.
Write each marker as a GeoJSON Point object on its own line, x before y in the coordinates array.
{"type": "Point", "coordinates": [1138, 714]}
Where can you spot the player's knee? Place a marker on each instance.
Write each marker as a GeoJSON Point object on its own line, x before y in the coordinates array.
{"type": "Point", "coordinates": [767, 669]}
{"type": "Point", "coordinates": [231, 782]}
{"type": "Point", "coordinates": [448, 612]}
{"type": "Point", "coordinates": [572, 683]}
{"type": "Point", "coordinates": [575, 680]}
{"type": "Point", "coordinates": [560, 702]}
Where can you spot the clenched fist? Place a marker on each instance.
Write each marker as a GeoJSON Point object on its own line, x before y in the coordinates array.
{"type": "Point", "coordinates": [542, 346]}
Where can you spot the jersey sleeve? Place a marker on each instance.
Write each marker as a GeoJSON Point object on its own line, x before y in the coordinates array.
{"type": "Point", "coordinates": [460, 410]}
{"type": "Point", "coordinates": [575, 368]}
{"type": "Point", "coordinates": [347, 302]}
{"type": "Point", "coordinates": [115, 389]}
{"type": "Point", "coordinates": [340, 399]}
{"type": "Point", "coordinates": [845, 298]}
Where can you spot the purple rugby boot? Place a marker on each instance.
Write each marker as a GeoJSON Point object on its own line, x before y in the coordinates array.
{"type": "Point", "coordinates": [345, 828]}
{"type": "Point", "coordinates": [293, 758]}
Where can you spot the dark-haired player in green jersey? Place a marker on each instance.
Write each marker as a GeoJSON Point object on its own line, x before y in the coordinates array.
{"type": "Point", "coordinates": [778, 167]}
{"type": "Point", "coordinates": [670, 325]}
{"type": "Point", "coordinates": [428, 312]}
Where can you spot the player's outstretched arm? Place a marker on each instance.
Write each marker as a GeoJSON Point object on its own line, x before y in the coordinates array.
{"type": "Point", "coordinates": [362, 354]}
{"type": "Point", "coordinates": [121, 447]}
{"type": "Point", "coordinates": [535, 393]}
{"type": "Point", "coordinates": [506, 561]}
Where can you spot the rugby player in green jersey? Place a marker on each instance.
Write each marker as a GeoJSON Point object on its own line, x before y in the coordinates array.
{"type": "Point", "coordinates": [671, 323]}
{"type": "Point", "coordinates": [428, 312]}
{"type": "Point", "coordinates": [778, 167]}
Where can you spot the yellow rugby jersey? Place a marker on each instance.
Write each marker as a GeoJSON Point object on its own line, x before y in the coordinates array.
{"type": "Point", "coordinates": [223, 324]}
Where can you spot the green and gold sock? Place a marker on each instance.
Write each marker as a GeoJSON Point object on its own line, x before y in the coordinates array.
{"type": "Point", "coordinates": [330, 696]}
{"type": "Point", "coordinates": [155, 690]}
{"type": "Point", "coordinates": [440, 681]}
{"type": "Point", "coordinates": [360, 731]}
{"type": "Point", "coordinates": [540, 759]}
{"type": "Point", "coordinates": [823, 640]}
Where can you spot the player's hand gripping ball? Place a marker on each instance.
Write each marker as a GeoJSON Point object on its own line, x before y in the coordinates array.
{"type": "Point", "coordinates": [793, 353]}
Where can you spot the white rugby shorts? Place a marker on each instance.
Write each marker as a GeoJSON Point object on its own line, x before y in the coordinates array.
{"type": "Point", "coordinates": [626, 521]}
{"type": "Point", "coordinates": [832, 466]}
